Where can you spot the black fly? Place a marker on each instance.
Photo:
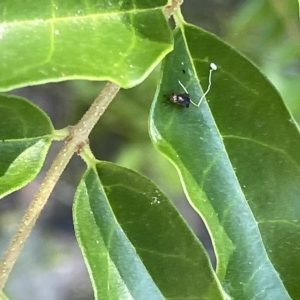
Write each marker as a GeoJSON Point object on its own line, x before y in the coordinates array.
{"type": "Point", "coordinates": [181, 99]}
{"type": "Point", "coordinates": [184, 99]}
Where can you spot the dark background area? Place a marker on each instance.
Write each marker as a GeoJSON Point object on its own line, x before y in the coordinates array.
{"type": "Point", "coordinates": [51, 266]}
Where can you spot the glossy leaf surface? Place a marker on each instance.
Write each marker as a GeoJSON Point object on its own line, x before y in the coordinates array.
{"type": "Point", "coordinates": [135, 243]}
{"type": "Point", "coordinates": [237, 155]}
{"type": "Point", "coordinates": [42, 41]}
{"type": "Point", "coordinates": [25, 137]}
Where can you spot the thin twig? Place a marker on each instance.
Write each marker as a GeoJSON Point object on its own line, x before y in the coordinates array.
{"type": "Point", "coordinates": [78, 136]}
{"type": "Point", "coordinates": [170, 9]}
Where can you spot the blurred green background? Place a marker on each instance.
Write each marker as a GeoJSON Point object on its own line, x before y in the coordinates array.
{"type": "Point", "coordinates": [51, 266]}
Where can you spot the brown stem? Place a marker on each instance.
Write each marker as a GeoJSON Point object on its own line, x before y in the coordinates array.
{"type": "Point", "coordinates": [170, 9]}
{"type": "Point", "coordinates": [78, 136]}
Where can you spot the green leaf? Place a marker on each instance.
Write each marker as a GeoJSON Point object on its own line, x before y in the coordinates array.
{"type": "Point", "coordinates": [135, 243]}
{"type": "Point", "coordinates": [120, 41]}
{"type": "Point", "coordinates": [239, 161]}
{"type": "Point", "coordinates": [25, 137]}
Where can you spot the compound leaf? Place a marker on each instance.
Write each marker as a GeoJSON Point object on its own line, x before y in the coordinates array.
{"type": "Point", "coordinates": [239, 161]}
{"type": "Point", "coordinates": [135, 243]}
{"type": "Point", "coordinates": [25, 137]}
{"type": "Point", "coordinates": [42, 41]}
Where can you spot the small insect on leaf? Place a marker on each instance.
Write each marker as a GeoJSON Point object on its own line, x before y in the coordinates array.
{"type": "Point", "coordinates": [184, 99]}
{"type": "Point", "coordinates": [181, 99]}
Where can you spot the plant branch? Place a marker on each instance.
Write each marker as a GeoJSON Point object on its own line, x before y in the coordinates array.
{"type": "Point", "coordinates": [170, 9]}
{"type": "Point", "coordinates": [77, 138]}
